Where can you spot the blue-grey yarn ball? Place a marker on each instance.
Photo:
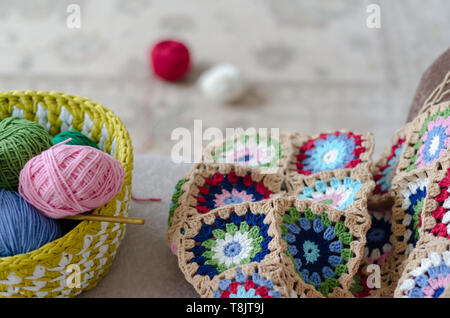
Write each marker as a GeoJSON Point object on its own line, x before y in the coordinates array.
{"type": "Point", "coordinates": [22, 228]}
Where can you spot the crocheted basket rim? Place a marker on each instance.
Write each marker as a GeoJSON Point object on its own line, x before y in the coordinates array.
{"type": "Point", "coordinates": [123, 153]}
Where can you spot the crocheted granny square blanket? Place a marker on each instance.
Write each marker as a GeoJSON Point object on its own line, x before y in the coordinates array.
{"type": "Point", "coordinates": [420, 191]}
{"type": "Point", "coordinates": [310, 216]}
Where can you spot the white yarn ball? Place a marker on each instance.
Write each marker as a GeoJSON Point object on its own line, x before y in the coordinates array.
{"type": "Point", "coordinates": [222, 83]}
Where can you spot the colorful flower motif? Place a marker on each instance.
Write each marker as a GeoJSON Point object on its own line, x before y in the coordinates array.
{"type": "Point", "coordinates": [242, 286]}
{"type": "Point", "coordinates": [224, 189]}
{"type": "Point", "coordinates": [330, 151]}
{"type": "Point", "coordinates": [436, 140]}
{"type": "Point", "coordinates": [442, 213]}
{"type": "Point", "coordinates": [253, 151]}
{"type": "Point", "coordinates": [230, 242]}
{"type": "Point", "coordinates": [235, 197]}
{"type": "Point", "coordinates": [414, 196]}
{"type": "Point", "coordinates": [319, 248]}
{"type": "Point", "coordinates": [338, 194]}
{"type": "Point", "coordinates": [430, 279]}
{"type": "Point", "coordinates": [387, 172]}
{"type": "Point", "coordinates": [433, 140]}
{"type": "Point", "coordinates": [379, 237]}
{"type": "Point", "coordinates": [174, 202]}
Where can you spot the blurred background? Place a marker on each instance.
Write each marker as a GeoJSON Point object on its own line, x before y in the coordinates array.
{"type": "Point", "coordinates": [311, 65]}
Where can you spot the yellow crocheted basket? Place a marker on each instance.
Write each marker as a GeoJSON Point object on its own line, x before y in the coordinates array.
{"type": "Point", "coordinates": [90, 245]}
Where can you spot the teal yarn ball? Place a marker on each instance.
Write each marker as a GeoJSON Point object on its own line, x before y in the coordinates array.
{"type": "Point", "coordinates": [77, 139]}
{"type": "Point", "coordinates": [20, 140]}
{"type": "Point", "coordinates": [22, 228]}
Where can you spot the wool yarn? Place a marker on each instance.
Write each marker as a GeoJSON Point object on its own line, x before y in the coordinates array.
{"type": "Point", "coordinates": [170, 60]}
{"type": "Point", "coordinates": [77, 139]}
{"type": "Point", "coordinates": [22, 228]}
{"type": "Point", "coordinates": [20, 140]}
{"type": "Point", "coordinates": [222, 83]}
{"type": "Point", "coordinates": [68, 179]}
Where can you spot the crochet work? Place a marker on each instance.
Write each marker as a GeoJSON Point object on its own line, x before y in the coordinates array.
{"type": "Point", "coordinates": [261, 152]}
{"type": "Point", "coordinates": [319, 248]}
{"type": "Point", "coordinates": [231, 241]}
{"type": "Point", "coordinates": [430, 279]}
{"type": "Point", "coordinates": [441, 214]}
{"type": "Point", "coordinates": [305, 229]}
{"type": "Point", "coordinates": [383, 177]}
{"type": "Point", "coordinates": [254, 151]}
{"type": "Point", "coordinates": [291, 236]}
{"type": "Point", "coordinates": [420, 188]}
{"type": "Point", "coordinates": [242, 286]}
{"type": "Point", "coordinates": [427, 271]}
{"type": "Point", "coordinates": [428, 138]}
{"type": "Point", "coordinates": [378, 250]}
{"type": "Point", "coordinates": [434, 140]}
{"type": "Point", "coordinates": [175, 197]}
{"type": "Point", "coordinates": [223, 189]}
{"type": "Point", "coordinates": [336, 193]}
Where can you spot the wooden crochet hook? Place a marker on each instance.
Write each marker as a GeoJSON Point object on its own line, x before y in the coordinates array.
{"type": "Point", "coordinates": [104, 218]}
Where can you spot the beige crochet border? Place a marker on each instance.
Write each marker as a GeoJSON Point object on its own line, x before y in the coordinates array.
{"type": "Point", "coordinates": [438, 94]}
{"type": "Point", "coordinates": [196, 177]}
{"type": "Point", "coordinates": [428, 246]}
{"type": "Point", "coordinates": [437, 171]}
{"type": "Point", "coordinates": [277, 274]}
{"type": "Point", "coordinates": [295, 187]}
{"type": "Point", "coordinates": [412, 136]}
{"type": "Point", "coordinates": [391, 270]}
{"type": "Point", "coordinates": [376, 199]}
{"type": "Point", "coordinates": [358, 224]}
{"type": "Point", "coordinates": [299, 139]}
{"type": "Point", "coordinates": [284, 141]}
{"type": "Point", "coordinates": [192, 228]}
{"type": "Point", "coordinates": [178, 216]}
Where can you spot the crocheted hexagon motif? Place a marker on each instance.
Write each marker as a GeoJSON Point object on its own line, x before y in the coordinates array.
{"type": "Point", "coordinates": [441, 214]}
{"type": "Point", "coordinates": [224, 189]}
{"type": "Point", "coordinates": [359, 287]}
{"type": "Point", "coordinates": [243, 286]}
{"type": "Point", "coordinates": [226, 241]}
{"type": "Point", "coordinates": [336, 193]}
{"type": "Point", "coordinates": [428, 138]}
{"type": "Point", "coordinates": [386, 169]}
{"type": "Point", "coordinates": [434, 140]}
{"type": "Point", "coordinates": [319, 248]}
{"type": "Point", "coordinates": [249, 150]}
{"type": "Point", "coordinates": [330, 151]}
{"type": "Point", "coordinates": [430, 279]}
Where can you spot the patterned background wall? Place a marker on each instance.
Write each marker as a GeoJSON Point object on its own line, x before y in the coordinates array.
{"type": "Point", "coordinates": [311, 65]}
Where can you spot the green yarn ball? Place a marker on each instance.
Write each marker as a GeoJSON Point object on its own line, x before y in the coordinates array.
{"type": "Point", "coordinates": [77, 139]}
{"type": "Point", "coordinates": [20, 140]}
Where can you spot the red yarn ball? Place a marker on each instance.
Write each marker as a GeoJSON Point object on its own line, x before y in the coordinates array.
{"type": "Point", "coordinates": [170, 60]}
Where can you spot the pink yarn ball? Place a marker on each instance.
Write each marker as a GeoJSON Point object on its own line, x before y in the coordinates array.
{"type": "Point", "coordinates": [67, 180]}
